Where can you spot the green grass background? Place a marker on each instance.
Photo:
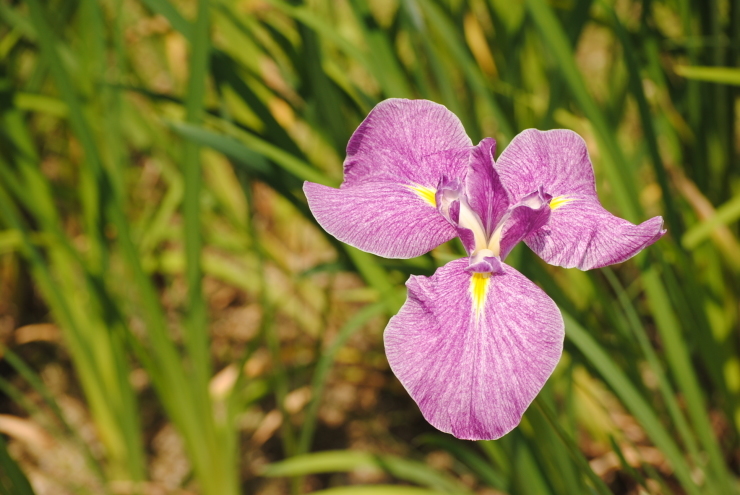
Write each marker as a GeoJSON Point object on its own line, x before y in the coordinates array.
{"type": "Point", "coordinates": [151, 160]}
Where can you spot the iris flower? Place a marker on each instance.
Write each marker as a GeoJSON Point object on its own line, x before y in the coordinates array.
{"type": "Point", "coordinates": [475, 342]}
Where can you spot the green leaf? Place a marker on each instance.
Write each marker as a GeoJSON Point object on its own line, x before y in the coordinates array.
{"type": "Point", "coordinates": [376, 490]}
{"type": "Point", "coordinates": [726, 214]}
{"type": "Point", "coordinates": [632, 399]}
{"type": "Point", "coordinates": [227, 145]}
{"type": "Point", "coordinates": [480, 466]}
{"type": "Point", "coordinates": [323, 366]}
{"type": "Point", "coordinates": [12, 479]}
{"type": "Point", "coordinates": [679, 360]}
{"type": "Point", "coordinates": [571, 447]}
{"type": "Point", "coordinates": [347, 460]}
{"type": "Point", "coordinates": [196, 323]}
{"type": "Point", "coordinates": [40, 103]}
{"type": "Point", "coordinates": [721, 75]}
{"type": "Point", "coordinates": [169, 12]}
{"type": "Point", "coordinates": [253, 144]}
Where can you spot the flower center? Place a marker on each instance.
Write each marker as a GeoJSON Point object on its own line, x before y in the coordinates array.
{"type": "Point", "coordinates": [484, 245]}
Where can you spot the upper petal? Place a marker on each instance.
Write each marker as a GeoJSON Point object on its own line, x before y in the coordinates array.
{"type": "Point", "coordinates": [557, 160]}
{"type": "Point", "coordinates": [582, 234]}
{"type": "Point", "coordinates": [483, 189]}
{"type": "Point", "coordinates": [384, 218]}
{"type": "Point", "coordinates": [473, 351]}
{"type": "Point", "coordinates": [407, 141]}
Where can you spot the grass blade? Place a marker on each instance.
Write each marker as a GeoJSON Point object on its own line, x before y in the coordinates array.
{"type": "Point", "coordinates": [196, 321]}
{"type": "Point", "coordinates": [680, 363]}
{"type": "Point", "coordinates": [12, 479]}
{"type": "Point", "coordinates": [571, 447]}
{"type": "Point", "coordinates": [323, 367]}
{"type": "Point", "coordinates": [719, 75]}
{"type": "Point", "coordinates": [632, 399]}
{"type": "Point", "coordinates": [345, 460]}
{"type": "Point", "coordinates": [376, 490]}
{"type": "Point", "coordinates": [726, 214]}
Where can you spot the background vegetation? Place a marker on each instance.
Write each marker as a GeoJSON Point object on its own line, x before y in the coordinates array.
{"type": "Point", "coordinates": [172, 320]}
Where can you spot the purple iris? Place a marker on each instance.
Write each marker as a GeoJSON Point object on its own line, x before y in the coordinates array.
{"type": "Point", "coordinates": [475, 342]}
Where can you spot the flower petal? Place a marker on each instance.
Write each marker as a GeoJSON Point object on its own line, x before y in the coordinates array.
{"type": "Point", "coordinates": [384, 218]}
{"type": "Point", "coordinates": [582, 234]}
{"type": "Point", "coordinates": [408, 141]}
{"type": "Point", "coordinates": [557, 160]}
{"type": "Point", "coordinates": [485, 193]}
{"type": "Point", "coordinates": [396, 160]}
{"type": "Point", "coordinates": [473, 351]}
{"type": "Point", "coordinates": [531, 213]}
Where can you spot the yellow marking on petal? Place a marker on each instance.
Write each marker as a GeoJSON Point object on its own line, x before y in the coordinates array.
{"type": "Point", "coordinates": [478, 289]}
{"type": "Point", "coordinates": [559, 201]}
{"type": "Point", "coordinates": [428, 194]}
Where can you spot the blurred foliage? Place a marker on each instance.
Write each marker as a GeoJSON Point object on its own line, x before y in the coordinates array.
{"type": "Point", "coordinates": [172, 320]}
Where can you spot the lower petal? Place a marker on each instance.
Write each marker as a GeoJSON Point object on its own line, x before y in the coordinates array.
{"type": "Point", "coordinates": [582, 234]}
{"type": "Point", "coordinates": [474, 350]}
{"type": "Point", "coordinates": [389, 219]}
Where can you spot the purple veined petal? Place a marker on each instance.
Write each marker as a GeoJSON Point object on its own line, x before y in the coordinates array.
{"type": "Point", "coordinates": [582, 234]}
{"type": "Point", "coordinates": [473, 351]}
{"type": "Point", "coordinates": [415, 142]}
{"type": "Point", "coordinates": [384, 218]}
{"type": "Point", "coordinates": [483, 189]}
{"type": "Point", "coordinates": [557, 160]}
{"type": "Point", "coordinates": [395, 161]}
